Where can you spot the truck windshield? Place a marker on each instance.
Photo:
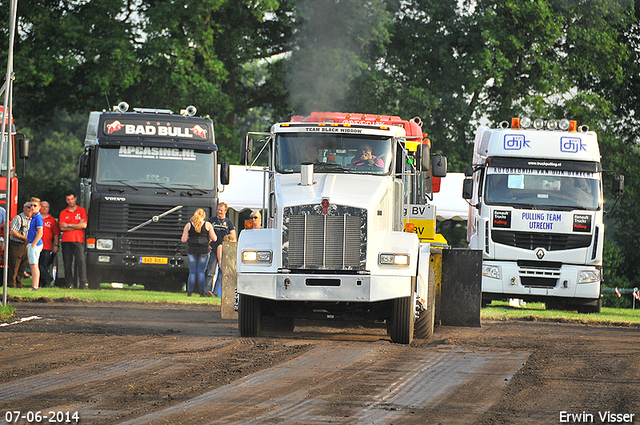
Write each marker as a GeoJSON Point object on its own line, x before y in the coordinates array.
{"type": "Point", "coordinates": [333, 153]}
{"type": "Point", "coordinates": [152, 166]}
{"type": "Point", "coordinates": [544, 189]}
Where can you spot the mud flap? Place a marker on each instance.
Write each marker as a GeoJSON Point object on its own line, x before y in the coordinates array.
{"type": "Point", "coordinates": [461, 292]}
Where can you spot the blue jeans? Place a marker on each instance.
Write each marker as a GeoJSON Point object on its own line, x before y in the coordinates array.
{"type": "Point", "coordinates": [212, 268]}
{"type": "Point", "coordinates": [197, 268]}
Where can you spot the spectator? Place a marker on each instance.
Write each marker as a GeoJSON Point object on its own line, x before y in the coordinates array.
{"type": "Point", "coordinates": [51, 243]}
{"type": "Point", "coordinates": [256, 220]}
{"type": "Point", "coordinates": [223, 227]}
{"type": "Point", "coordinates": [73, 221]}
{"type": "Point", "coordinates": [18, 260]}
{"type": "Point", "coordinates": [196, 234]}
{"type": "Point", "coordinates": [3, 217]}
{"type": "Point", "coordinates": [34, 247]}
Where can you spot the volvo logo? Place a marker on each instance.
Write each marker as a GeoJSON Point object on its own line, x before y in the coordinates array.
{"type": "Point", "coordinates": [540, 253]}
{"type": "Point", "coordinates": [115, 198]}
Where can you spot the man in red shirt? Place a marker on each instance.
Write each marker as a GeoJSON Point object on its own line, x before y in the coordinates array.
{"type": "Point", "coordinates": [51, 243]}
{"type": "Point", "coordinates": [73, 221]}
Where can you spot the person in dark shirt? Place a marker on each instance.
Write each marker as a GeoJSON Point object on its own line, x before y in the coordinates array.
{"type": "Point", "coordinates": [196, 234]}
{"type": "Point", "coordinates": [222, 226]}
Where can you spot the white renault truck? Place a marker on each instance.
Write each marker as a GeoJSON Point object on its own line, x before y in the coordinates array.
{"type": "Point", "coordinates": [536, 212]}
{"type": "Point", "coordinates": [334, 246]}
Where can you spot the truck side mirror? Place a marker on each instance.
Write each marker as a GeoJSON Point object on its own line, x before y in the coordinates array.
{"type": "Point", "coordinates": [224, 173]}
{"type": "Point", "coordinates": [23, 146]}
{"type": "Point", "coordinates": [439, 166]}
{"type": "Point", "coordinates": [468, 172]}
{"type": "Point", "coordinates": [424, 156]}
{"type": "Point", "coordinates": [467, 189]}
{"type": "Point", "coordinates": [83, 165]}
{"type": "Point", "coordinates": [618, 185]}
{"type": "Point", "coordinates": [246, 149]}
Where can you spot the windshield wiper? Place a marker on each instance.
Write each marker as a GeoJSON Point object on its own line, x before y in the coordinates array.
{"type": "Point", "coordinates": [191, 186]}
{"type": "Point", "coordinates": [124, 182]}
{"type": "Point", "coordinates": [162, 186]}
{"type": "Point", "coordinates": [522, 205]}
{"type": "Point", "coordinates": [332, 167]}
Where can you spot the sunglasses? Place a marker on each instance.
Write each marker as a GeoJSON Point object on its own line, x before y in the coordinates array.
{"type": "Point", "coordinates": [254, 218]}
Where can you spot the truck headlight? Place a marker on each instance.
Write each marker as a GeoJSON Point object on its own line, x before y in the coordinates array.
{"type": "Point", "coordinates": [256, 256]}
{"type": "Point", "coordinates": [491, 271]}
{"type": "Point", "coordinates": [589, 276]}
{"type": "Point", "coordinates": [393, 259]}
{"type": "Point", "coordinates": [104, 244]}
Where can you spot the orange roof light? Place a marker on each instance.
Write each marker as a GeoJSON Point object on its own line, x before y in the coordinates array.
{"type": "Point", "coordinates": [573, 125]}
{"type": "Point", "coordinates": [515, 123]}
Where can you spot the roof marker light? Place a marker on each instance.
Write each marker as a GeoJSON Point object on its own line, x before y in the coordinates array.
{"type": "Point", "coordinates": [525, 122]}
{"type": "Point", "coordinates": [552, 124]}
{"type": "Point", "coordinates": [515, 123]}
{"type": "Point", "coordinates": [564, 124]}
{"type": "Point", "coordinates": [538, 123]}
{"type": "Point", "coordinates": [573, 125]}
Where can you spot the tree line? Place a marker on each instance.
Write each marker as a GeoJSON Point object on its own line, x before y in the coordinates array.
{"type": "Point", "coordinates": [249, 63]}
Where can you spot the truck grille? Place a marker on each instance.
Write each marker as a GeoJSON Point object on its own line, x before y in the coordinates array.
{"type": "Point", "coordinates": [332, 241]}
{"type": "Point", "coordinates": [160, 238]}
{"type": "Point", "coordinates": [533, 240]}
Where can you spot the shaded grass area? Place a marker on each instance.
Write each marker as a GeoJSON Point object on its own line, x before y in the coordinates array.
{"type": "Point", "coordinates": [106, 293]}
{"type": "Point", "coordinates": [500, 310]}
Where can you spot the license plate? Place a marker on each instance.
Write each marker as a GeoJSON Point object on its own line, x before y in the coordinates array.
{"type": "Point", "coordinates": [154, 260]}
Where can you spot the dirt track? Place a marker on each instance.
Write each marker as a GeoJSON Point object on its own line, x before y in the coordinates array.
{"type": "Point", "coordinates": [139, 364]}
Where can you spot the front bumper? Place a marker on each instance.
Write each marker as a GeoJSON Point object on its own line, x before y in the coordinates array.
{"type": "Point", "coordinates": [319, 287]}
{"type": "Point", "coordinates": [518, 282]}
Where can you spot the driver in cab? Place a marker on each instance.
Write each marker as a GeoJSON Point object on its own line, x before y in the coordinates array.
{"type": "Point", "coordinates": [365, 157]}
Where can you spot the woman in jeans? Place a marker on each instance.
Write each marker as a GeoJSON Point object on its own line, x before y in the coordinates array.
{"type": "Point", "coordinates": [196, 234]}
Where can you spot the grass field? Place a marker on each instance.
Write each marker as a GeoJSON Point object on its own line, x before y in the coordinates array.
{"type": "Point", "coordinates": [500, 310]}
{"type": "Point", "coordinates": [495, 311]}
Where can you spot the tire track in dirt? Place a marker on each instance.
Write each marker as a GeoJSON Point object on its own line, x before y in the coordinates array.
{"type": "Point", "coordinates": [356, 384]}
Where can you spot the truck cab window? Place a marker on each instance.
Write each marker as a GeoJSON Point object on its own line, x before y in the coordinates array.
{"type": "Point", "coordinates": [335, 154]}
{"type": "Point", "coordinates": [139, 166]}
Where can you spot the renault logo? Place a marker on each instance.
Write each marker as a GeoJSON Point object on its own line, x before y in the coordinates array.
{"type": "Point", "coordinates": [540, 253]}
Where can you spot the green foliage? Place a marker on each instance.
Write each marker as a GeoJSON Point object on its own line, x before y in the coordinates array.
{"type": "Point", "coordinates": [52, 169]}
{"type": "Point", "coordinates": [248, 63]}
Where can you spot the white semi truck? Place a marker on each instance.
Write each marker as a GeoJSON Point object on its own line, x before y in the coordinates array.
{"type": "Point", "coordinates": [536, 212]}
{"type": "Point", "coordinates": [334, 246]}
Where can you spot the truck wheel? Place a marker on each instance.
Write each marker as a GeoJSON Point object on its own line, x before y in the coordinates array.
{"type": "Point", "coordinates": [426, 320]}
{"type": "Point", "coordinates": [591, 308]}
{"type": "Point", "coordinates": [401, 325]}
{"type": "Point", "coordinates": [248, 315]}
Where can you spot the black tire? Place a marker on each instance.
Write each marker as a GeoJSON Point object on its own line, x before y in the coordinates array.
{"type": "Point", "coordinates": [426, 320]}
{"type": "Point", "coordinates": [401, 320]}
{"type": "Point", "coordinates": [248, 315]}
{"type": "Point", "coordinates": [589, 309]}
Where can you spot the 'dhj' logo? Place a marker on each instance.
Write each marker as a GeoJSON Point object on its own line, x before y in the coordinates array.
{"type": "Point", "coordinates": [515, 142]}
{"type": "Point", "coordinates": [572, 145]}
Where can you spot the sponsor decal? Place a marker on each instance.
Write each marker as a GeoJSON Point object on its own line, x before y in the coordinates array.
{"type": "Point", "coordinates": [515, 142]}
{"type": "Point", "coordinates": [539, 172]}
{"type": "Point", "coordinates": [541, 221]}
{"type": "Point", "coordinates": [146, 152]}
{"type": "Point", "coordinates": [572, 145]}
{"type": "Point", "coordinates": [582, 223]}
{"type": "Point", "coordinates": [156, 129]}
{"type": "Point", "coordinates": [502, 219]}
